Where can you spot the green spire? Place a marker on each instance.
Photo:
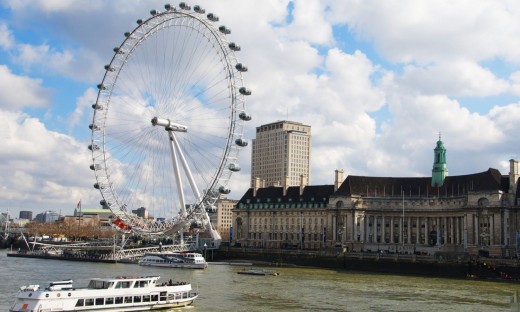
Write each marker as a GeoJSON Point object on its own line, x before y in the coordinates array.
{"type": "Point", "coordinates": [440, 170]}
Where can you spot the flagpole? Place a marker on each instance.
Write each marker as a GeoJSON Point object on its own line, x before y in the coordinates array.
{"type": "Point", "coordinates": [79, 217]}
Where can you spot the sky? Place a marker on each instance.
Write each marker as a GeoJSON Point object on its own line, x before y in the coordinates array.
{"type": "Point", "coordinates": [378, 82]}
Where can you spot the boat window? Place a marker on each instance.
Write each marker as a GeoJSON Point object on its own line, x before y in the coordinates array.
{"type": "Point", "coordinates": [155, 297]}
{"type": "Point", "coordinates": [109, 300]}
{"type": "Point", "coordinates": [128, 299]}
{"type": "Point", "coordinates": [79, 303]}
{"type": "Point", "coordinates": [119, 300]}
{"type": "Point", "coordinates": [141, 284]}
{"type": "Point", "coordinates": [146, 298]}
{"type": "Point", "coordinates": [137, 298]}
{"type": "Point", "coordinates": [123, 285]}
{"type": "Point", "coordinates": [100, 301]}
{"type": "Point", "coordinates": [89, 302]}
{"type": "Point", "coordinates": [99, 285]}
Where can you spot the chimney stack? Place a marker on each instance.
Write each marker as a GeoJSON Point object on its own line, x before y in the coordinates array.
{"type": "Point", "coordinates": [338, 179]}
{"type": "Point", "coordinates": [256, 186]}
{"type": "Point", "coordinates": [285, 185]}
{"type": "Point", "coordinates": [513, 176]}
{"type": "Point", "coordinates": [303, 183]}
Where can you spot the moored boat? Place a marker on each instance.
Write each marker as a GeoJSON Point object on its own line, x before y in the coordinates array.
{"type": "Point", "coordinates": [258, 272]}
{"type": "Point", "coordinates": [190, 260]}
{"type": "Point", "coordinates": [121, 293]}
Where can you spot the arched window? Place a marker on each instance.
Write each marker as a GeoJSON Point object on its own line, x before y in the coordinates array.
{"type": "Point", "coordinates": [483, 202]}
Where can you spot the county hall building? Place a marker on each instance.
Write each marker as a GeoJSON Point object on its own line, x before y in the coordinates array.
{"type": "Point", "coordinates": [465, 213]}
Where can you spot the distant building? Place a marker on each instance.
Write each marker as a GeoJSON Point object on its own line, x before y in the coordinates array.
{"type": "Point", "coordinates": [224, 218]}
{"type": "Point", "coordinates": [281, 154]}
{"type": "Point", "coordinates": [99, 212]}
{"type": "Point", "coordinates": [141, 212]}
{"type": "Point", "coordinates": [48, 217]}
{"type": "Point", "coordinates": [26, 215]}
{"type": "Point", "coordinates": [464, 213]}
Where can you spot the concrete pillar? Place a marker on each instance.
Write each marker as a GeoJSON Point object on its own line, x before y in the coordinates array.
{"type": "Point", "coordinates": [426, 230]}
{"type": "Point", "coordinates": [409, 230]}
{"type": "Point", "coordinates": [383, 229]}
{"type": "Point", "coordinates": [418, 230]}
{"type": "Point", "coordinates": [391, 230]}
{"type": "Point", "coordinates": [476, 230]}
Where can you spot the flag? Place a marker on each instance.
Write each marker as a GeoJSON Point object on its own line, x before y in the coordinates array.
{"type": "Point", "coordinates": [79, 204]}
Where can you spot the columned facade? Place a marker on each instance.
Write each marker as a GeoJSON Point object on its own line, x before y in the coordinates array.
{"type": "Point", "coordinates": [394, 215]}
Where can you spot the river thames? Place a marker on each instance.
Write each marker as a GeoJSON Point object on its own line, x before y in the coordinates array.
{"type": "Point", "coordinates": [295, 289]}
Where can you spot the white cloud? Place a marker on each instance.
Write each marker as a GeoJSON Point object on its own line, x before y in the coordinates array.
{"type": "Point", "coordinates": [75, 64]}
{"type": "Point", "coordinates": [20, 91]}
{"type": "Point", "coordinates": [454, 78]}
{"type": "Point", "coordinates": [6, 37]}
{"type": "Point", "coordinates": [41, 168]}
{"type": "Point", "coordinates": [309, 23]}
{"type": "Point", "coordinates": [421, 31]}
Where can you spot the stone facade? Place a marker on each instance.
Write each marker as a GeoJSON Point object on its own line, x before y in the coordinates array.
{"type": "Point", "coordinates": [467, 213]}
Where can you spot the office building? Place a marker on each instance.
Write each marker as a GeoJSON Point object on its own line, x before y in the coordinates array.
{"type": "Point", "coordinates": [224, 217]}
{"type": "Point", "coordinates": [24, 214]}
{"type": "Point", "coordinates": [281, 154]}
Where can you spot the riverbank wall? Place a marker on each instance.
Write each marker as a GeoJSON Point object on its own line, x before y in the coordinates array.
{"type": "Point", "coordinates": [451, 265]}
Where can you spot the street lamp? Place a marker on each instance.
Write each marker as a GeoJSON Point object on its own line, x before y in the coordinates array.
{"type": "Point", "coordinates": [205, 247]}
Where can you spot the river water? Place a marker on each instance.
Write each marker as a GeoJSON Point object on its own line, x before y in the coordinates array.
{"type": "Point", "coordinates": [295, 289]}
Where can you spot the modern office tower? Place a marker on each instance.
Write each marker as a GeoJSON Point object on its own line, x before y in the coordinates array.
{"type": "Point", "coordinates": [24, 214]}
{"type": "Point", "coordinates": [281, 154]}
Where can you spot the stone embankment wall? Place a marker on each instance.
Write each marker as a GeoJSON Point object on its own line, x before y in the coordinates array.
{"type": "Point", "coordinates": [449, 265]}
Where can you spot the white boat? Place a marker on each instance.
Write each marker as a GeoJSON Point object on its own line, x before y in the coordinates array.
{"type": "Point", "coordinates": [191, 260]}
{"type": "Point", "coordinates": [105, 294]}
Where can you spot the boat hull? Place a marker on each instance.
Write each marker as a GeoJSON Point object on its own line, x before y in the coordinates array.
{"type": "Point", "coordinates": [105, 294]}
{"type": "Point", "coordinates": [174, 260]}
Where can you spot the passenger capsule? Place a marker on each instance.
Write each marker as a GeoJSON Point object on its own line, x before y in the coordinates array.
{"type": "Point", "coordinates": [184, 6]}
{"type": "Point", "coordinates": [118, 50]}
{"type": "Point", "coordinates": [199, 9]}
{"type": "Point", "coordinates": [93, 147]}
{"type": "Point", "coordinates": [109, 68]}
{"type": "Point", "coordinates": [211, 209]}
{"type": "Point", "coordinates": [234, 167]}
{"type": "Point", "coordinates": [127, 34]}
{"type": "Point", "coordinates": [139, 21]}
{"type": "Point", "coordinates": [168, 7]}
{"type": "Point", "coordinates": [212, 17]}
{"type": "Point", "coordinates": [154, 12]}
{"type": "Point", "coordinates": [93, 127]}
{"type": "Point", "coordinates": [196, 224]}
{"type": "Point", "coordinates": [101, 86]}
{"type": "Point", "coordinates": [244, 91]}
{"type": "Point", "coordinates": [223, 29]}
{"type": "Point", "coordinates": [95, 167]}
{"type": "Point", "coordinates": [244, 116]}
{"type": "Point", "coordinates": [241, 142]}
{"type": "Point", "coordinates": [224, 190]}
{"type": "Point", "coordinates": [240, 67]}
{"type": "Point", "coordinates": [97, 106]}
{"type": "Point", "coordinates": [98, 186]}
{"type": "Point", "coordinates": [233, 46]}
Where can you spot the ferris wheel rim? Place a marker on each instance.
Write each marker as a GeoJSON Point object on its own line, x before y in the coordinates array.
{"type": "Point", "coordinates": [121, 54]}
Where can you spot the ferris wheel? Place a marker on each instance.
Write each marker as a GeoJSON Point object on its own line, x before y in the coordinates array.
{"type": "Point", "coordinates": [168, 122]}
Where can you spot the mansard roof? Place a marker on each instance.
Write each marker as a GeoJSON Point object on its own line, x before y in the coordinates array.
{"type": "Point", "coordinates": [490, 180]}
{"type": "Point", "coordinates": [311, 193]}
